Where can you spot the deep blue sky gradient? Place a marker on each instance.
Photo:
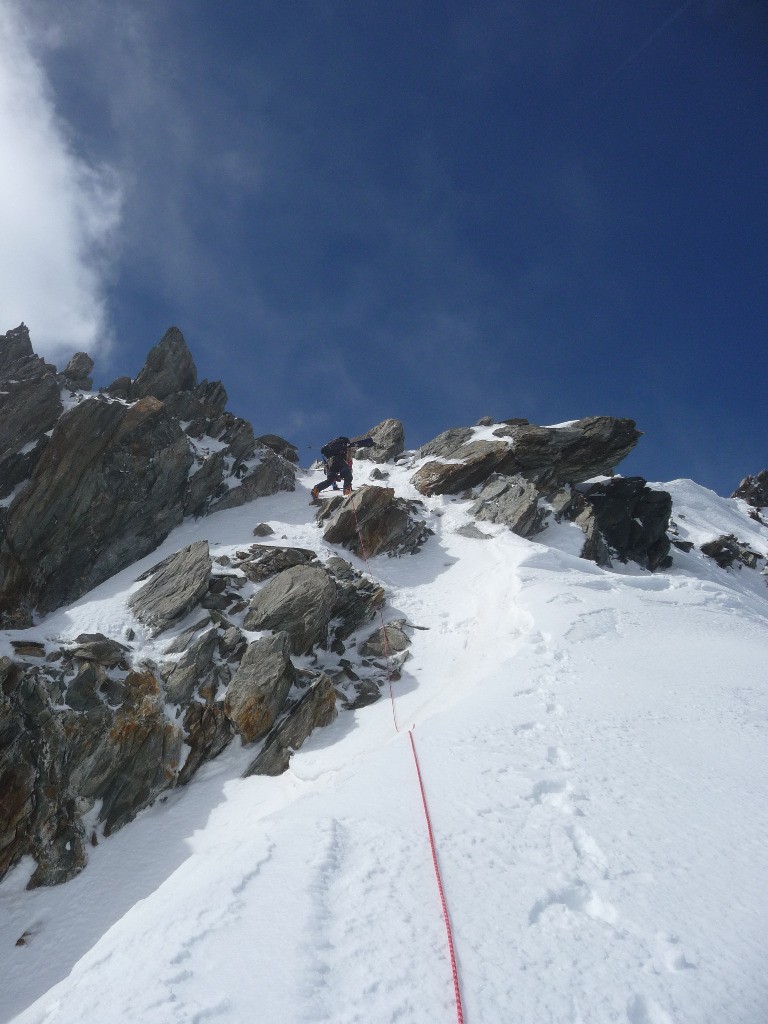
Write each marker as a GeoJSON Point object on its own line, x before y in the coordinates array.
{"type": "Point", "coordinates": [437, 211]}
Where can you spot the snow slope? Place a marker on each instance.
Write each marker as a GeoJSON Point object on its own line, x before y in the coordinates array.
{"type": "Point", "coordinates": [593, 746]}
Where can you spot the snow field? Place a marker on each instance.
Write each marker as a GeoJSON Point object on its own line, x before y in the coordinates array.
{"type": "Point", "coordinates": [593, 750]}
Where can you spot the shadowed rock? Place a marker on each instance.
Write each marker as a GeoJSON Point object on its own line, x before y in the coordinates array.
{"type": "Point", "coordinates": [299, 601]}
{"type": "Point", "coordinates": [260, 686]}
{"type": "Point", "coordinates": [631, 520]}
{"type": "Point", "coordinates": [754, 490]}
{"type": "Point", "coordinates": [208, 731]}
{"type": "Point", "coordinates": [728, 549]}
{"type": "Point", "coordinates": [389, 442]}
{"type": "Point", "coordinates": [174, 589]}
{"type": "Point", "coordinates": [194, 668]}
{"type": "Point", "coordinates": [269, 559]}
{"type": "Point", "coordinates": [30, 404]}
{"type": "Point", "coordinates": [280, 446]}
{"type": "Point", "coordinates": [316, 708]}
{"type": "Point", "coordinates": [107, 489]}
{"type": "Point", "coordinates": [169, 368]}
{"type": "Point", "coordinates": [386, 523]}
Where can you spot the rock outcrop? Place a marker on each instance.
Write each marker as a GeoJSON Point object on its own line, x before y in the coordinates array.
{"type": "Point", "coordinates": [260, 687]}
{"type": "Point", "coordinates": [174, 587]}
{"type": "Point", "coordinates": [314, 710]}
{"type": "Point", "coordinates": [299, 601]}
{"type": "Point", "coordinates": [115, 476]}
{"type": "Point", "coordinates": [547, 456]}
{"type": "Point", "coordinates": [386, 524]}
{"type": "Point", "coordinates": [31, 404]}
{"type": "Point", "coordinates": [728, 550]}
{"type": "Point", "coordinates": [625, 519]}
{"type": "Point", "coordinates": [389, 442]}
{"type": "Point", "coordinates": [754, 490]}
{"type": "Point", "coordinates": [513, 501]}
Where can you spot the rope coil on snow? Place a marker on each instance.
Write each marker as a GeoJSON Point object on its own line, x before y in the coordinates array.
{"type": "Point", "coordinates": [430, 834]}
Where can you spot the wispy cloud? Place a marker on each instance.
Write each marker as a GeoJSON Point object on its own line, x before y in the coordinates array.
{"type": "Point", "coordinates": [58, 212]}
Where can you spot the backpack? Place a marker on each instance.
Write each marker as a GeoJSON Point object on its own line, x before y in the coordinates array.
{"type": "Point", "coordinates": [337, 447]}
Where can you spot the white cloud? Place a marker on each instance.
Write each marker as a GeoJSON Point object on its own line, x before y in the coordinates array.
{"type": "Point", "coordinates": [58, 214]}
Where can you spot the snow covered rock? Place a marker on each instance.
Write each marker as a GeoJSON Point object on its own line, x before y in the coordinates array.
{"type": "Point", "coordinates": [473, 464]}
{"type": "Point", "coordinates": [99, 648]}
{"type": "Point", "coordinates": [260, 687]}
{"type": "Point", "coordinates": [754, 490]}
{"type": "Point", "coordinates": [387, 524]}
{"type": "Point", "coordinates": [175, 586]}
{"type": "Point", "coordinates": [727, 550]}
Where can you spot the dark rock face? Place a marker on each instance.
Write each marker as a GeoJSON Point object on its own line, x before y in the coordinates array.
{"type": "Point", "coordinates": [513, 501]}
{"type": "Point", "coordinates": [99, 648]}
{"type": "Point", "coordinates": [260, 687]}
{"type": "Point", "coordinates": [108, 488]}
{"type": "Point", "coordinates": [169, 368]}
{"type": "Point", "coordinates": [269, 559]}
{"type": "Point", "coordinates": [174, 588]}
{"type": "Point", "coordinates": [389, 442]}
{"type": "Point", "coordinates": [315, 709]}
{"type": "Point", "coordinates": [299, 601]}
{"type": "Point", "coordinates": [386, 523]}
{"type": "Point", "coordinates": [208, 731]}
{"type": "Point", "coordinates": [754, 490]}
{"type": "Point", "coordinates": [626, 519]}
{"type": "Point", "coordinates": [30, 406]}
{"type": "Point", "coordinates": [728, 550]}
{"type": "Point", "coordinates": [79, 367]}
{"type": "Point", "coordinates": [193, 669]}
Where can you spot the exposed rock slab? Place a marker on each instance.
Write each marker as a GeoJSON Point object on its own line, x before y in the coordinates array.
{"type": "Point", "coordinates": [513, 501]}
{"type": "Point", "coordinates": [260, 686]}
{"type": "Point", "coordinates": [478, 460]}
{"type": "Point", "coordinates": [269, 559]}
{"type": "Point", "coordinates": [280, 446]}
{"type": "Point", "coordinates": [99, 648]}
{"type": "Point", "coordinates": [174, 589]}
{"type": "Point", "coordinates": [194, 668]}
{"type": "Point", "coordinates": [386, 524]}
{"type": "Point", "coordinates": [208, 731]}
{"type": "Point", "coordinates": [315, 709]}
{"type": "Point", "coordinates": [299, 601]}
{"type": "Point", "coordinates": [108, 488]}
{"type": "Point", "coordinates": [389, 639]}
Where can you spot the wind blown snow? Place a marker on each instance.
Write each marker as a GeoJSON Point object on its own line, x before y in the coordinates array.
{"type": "Point", "coordinates": [593, 746]}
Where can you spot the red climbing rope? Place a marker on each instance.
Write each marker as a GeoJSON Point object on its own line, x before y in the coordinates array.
{"type": "Point", "coordinates": [430, 834]}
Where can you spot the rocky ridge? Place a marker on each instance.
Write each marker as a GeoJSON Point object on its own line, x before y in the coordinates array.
{"type": "Point", "coordinates": [90, 483]}
{"type": "Point", "coordinates": [267, 643]}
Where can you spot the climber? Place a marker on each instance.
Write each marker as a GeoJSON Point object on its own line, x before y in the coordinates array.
{"type": "Point", "coordinates": [338, 463]}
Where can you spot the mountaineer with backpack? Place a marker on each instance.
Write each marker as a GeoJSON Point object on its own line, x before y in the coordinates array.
{"type": "Point", "coordinates": [338, 463]}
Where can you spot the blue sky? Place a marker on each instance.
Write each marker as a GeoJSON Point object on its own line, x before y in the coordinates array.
{"type": "Point", "coordinates": [432, 211]}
